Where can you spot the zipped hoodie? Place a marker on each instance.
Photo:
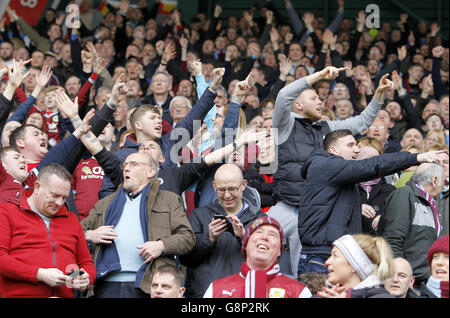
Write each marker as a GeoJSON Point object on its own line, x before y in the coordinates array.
{"type": "Point", "coordinates": [27, 245]}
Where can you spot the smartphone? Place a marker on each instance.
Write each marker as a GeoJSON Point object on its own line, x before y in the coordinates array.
{"type": "Point", "coordinates": [229, 224]}
{"type": "Point", "coordinates": [75, 273]}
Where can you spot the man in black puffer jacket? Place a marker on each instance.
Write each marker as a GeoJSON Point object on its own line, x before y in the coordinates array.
{"type": "Point", "coordinates": [217, 251]}
{"type": "Point", "coordinates": [330, 204]}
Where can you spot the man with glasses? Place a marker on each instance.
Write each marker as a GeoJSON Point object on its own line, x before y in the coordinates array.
{"type": "Point", "coordinates": [134, 231]}
{"type": "Point", "coordinates": [179, 108]}
{"type": "Point", "coordinates": [380, 132]}
{"type": "Point", "coordinates": [219, 228]}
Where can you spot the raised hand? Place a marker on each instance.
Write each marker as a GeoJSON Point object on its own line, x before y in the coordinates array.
{"type": "Point", "coordinates": [289, 37]}
{"type": "Point", "coordinates": [217, 11]}
{"type": "Point", "coordinates": [308, 18]}
{"type": "Point", "coordinates": [285, 66]}
{"type": "Point", "coordinates": [361, 19]}
{"type": "Point", "coordinates": [66, 106]}
{"type": "Point", "coordinates": [3, 71]}
{"type": "Point", "coordinates": [411, 38]}
{"type": "Point", "coordinates": [217, 78]}
{"type": "Point", "coordinates": [438, 51]}
{"type": "Point", "coordinates": [168, 54]}
{"type": "Point", "coordinates": [430, 156]}
{"type": "Point", "coordinates": [196, 67]}
{"type": "Point", "coordinates": [427, 88]}
{"type": "Point", "coordinates": [434, 29]}
{"type": "Point", "coordinates": [85, 126]}
{"type": "Point", "coordinates": [274, 35]}
{"type": "Point", "coordinates": [12, 14]}
{"type": "Point", "coordinates": [184, 42]}
{"type": "Point", "coordinates": [241, 89]}
{"type": "Point", "coordinates": [251, 136]}
{"type": "Point", "coordinates": [403, 18]}
{"type": "Point", "coordinates": [100, 65]}
{"type": "Point", "coordinates": [124, 5]}
{"type": "Point", "coordinates": [44, 76]}
{"type": "Point", "coordinates": [86, 58]}
{"type": "Point", "coordinates": [349, 66]}
{"type": "Point", "coordinates": [269, 17]}
{"type": "Point", "coordinates": [331, 72]}
{"type": "Point", "coordinates": [384, 85]}
{"type": "Point", "coordinates": [401, 52]}
{"type": "Point", "coordinates": [398, 83]}
{"type": "Point", "coordinates": [2, 24]}
{"type": "Point", "coordinates": [159, 47]}
{"type": "Point", "coordinates": [327, 36]}
{"type": "Point", "coordinates": [119, 90]}
{"type": "Point", "coordinates": [91, 49]}
{"type": "Point", "coordinates": [15, 72]}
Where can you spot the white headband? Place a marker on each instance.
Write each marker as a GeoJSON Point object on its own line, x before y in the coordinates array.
{"type": "Point", "coordinates": [355, 256]}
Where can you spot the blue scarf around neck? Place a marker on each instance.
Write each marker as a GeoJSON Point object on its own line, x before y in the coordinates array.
{"type": "Point", "coordinates": [108, 259]}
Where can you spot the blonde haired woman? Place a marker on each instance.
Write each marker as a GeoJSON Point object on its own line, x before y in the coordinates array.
{"type": "Point", "coordinates": [357, 267]}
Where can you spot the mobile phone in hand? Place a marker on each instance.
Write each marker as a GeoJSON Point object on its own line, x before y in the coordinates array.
{"type": "Point", "coordinates": [229, 224]}
{"type": "Point", "coordinates": [75, 273]}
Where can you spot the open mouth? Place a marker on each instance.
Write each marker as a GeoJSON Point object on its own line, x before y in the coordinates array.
{"type": "Point", "coordinates": [262, 247]}
{"type": "Point", "coordinates": [441, 273]}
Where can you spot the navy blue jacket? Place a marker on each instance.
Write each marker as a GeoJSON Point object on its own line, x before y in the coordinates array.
{"type": "Point", "coordinates": [330, 203]}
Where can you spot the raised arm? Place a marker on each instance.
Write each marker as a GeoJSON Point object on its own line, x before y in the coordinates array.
{"type": "Point", "coordinates": [361, 122]}
{"type": "Point", "coordinates": [249, 136]}
{"type": "Point", "coordinates": [41, 80]}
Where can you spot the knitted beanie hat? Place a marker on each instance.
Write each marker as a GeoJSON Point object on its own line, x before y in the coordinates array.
{"type": "Point", "coordinates": [441, 245]}
{"type": "Point", "coordinates": [264, 220]}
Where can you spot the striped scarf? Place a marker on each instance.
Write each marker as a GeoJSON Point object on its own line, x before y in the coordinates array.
{"type": "Point", "coordinates": [256, 281]}
{"type": "Point", "coordinates": [432, 203]}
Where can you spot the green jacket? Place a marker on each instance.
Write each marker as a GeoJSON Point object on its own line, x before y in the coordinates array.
{"type": "Point", "coordinates": [42, 43]}
{"type": "Point", "coordinates": [167, 222]}
{"type": "Point", "coordinates": [409, 228]}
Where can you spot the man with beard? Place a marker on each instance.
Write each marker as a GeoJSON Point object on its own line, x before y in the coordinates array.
{"type": "Point", "coordinates": [299, 133]}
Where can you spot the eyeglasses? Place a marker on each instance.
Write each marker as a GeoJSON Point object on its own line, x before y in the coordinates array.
{"type": "Point", "coordinates": [230, 190]}
{"type": "Point", "coordinates": [133, 164]}
{"type": "Point", "coordinates": [180, 106]}
{"type": "Point", "coordinates": [376, 127]}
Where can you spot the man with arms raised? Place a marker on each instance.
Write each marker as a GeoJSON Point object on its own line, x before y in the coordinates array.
{"type": "Point", "coordinates": [297, 117]}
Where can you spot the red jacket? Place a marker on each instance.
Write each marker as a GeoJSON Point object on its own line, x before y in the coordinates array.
{"type": "Point", "coordinates": [26, 245]}
{"type": "Point", "coordinates": [280, 286]}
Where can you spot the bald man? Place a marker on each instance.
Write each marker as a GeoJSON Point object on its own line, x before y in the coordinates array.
{"type": "Point", "coordinates": [412, 137]}
{"type": "Point", "coordinates": [401, 283]}
{"type": "Point", "coordinates": [219, 228]}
